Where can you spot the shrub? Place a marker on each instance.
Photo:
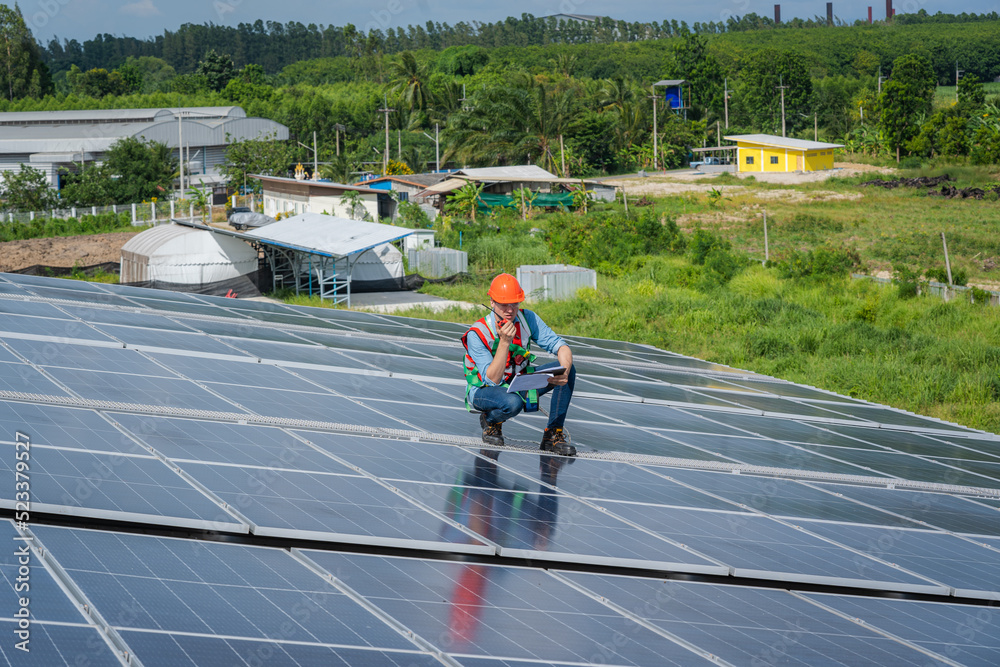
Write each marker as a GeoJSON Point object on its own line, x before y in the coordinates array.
{"type": "Point", "coordinates": [940, 274]}
{"type": "Point", "coordinates": [608, 240]}
{"type": "Point", "coordinates": [907, 281]}
{"type": "Point", "coordinates": [823, 261]}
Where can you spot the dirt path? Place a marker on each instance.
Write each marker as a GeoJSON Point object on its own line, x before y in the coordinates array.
{"type": "Point", "coordinates": [659, 186]}
{"type": "Point", "coordinates": [64, 251]}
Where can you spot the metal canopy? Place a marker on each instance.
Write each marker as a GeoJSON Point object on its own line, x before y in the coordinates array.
{"type": "Point", "coordinates": [670, 82]}
{"type": "Point", "coordinates": [315, 252]}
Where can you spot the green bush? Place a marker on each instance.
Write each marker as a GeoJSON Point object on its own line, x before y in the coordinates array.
{"type": "Point", "coordinates": [823, 261]}
{"type": "Point", "coordinates": [907, 281]}
{"type": "Point", "coordinates": [101, 223]}
{"type": "Point", "coordinates": [940, 274]}
{"type": "Point", "coordinates": [608, 241]}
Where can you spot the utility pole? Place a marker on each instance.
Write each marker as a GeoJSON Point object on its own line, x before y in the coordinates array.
{"type": "Point", "coordinates": [399, 145]}
{"type": "Point", "coordinates": [562, 155]}
{"type": "Point", "coordinates": [958, 75]}
{"type": "Point", "coordinates": [315, 158]}
{"type": "Point", "coordinates": [725, 100]}
{"type": "Point", "coordinates": [815, 126]}
{"type": "Point", "coordinates": [385, 156]}
{"type": "Point", "coordinates": [338, 128]}
{"type": "Point", "coordinates": [880, 77]}
{"type": "Point", "coordinates": [782, 87]}
{"type": "Point", "coordinates": [718, 134]}
{"type": "Point", "coordinates": [180, 149]}
{"type": "Point", "coordinates": [654, 132]}
{"type": "Point", "coordinates": [437, 147]}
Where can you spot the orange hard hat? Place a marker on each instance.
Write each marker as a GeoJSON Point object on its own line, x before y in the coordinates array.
{"type": "Point", "coordinates": [505, 289]}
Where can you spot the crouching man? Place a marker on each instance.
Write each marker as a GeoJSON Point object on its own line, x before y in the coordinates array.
{"type": "Point", "coordinates": [498, 348]}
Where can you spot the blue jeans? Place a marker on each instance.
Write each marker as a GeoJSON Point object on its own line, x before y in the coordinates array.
{"type": "Point", "coordinates": [499, 406]}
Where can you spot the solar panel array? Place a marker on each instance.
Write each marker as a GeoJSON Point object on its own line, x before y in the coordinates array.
{"type": "Point", "coordinates": [219, 481]}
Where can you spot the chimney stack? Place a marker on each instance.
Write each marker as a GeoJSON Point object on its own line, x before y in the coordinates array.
{"type": "Point", "coordinates": [829, 14]}
{"type": "Point", "coordinates": [777, 14]}
{"type": "Point", "coordinates": [869, 15]}
{"type": "Point", "coordinates": [888, 10]}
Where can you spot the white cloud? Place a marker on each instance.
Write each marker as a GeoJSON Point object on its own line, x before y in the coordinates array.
{"type": "Point", "coordinates": [141, 8]}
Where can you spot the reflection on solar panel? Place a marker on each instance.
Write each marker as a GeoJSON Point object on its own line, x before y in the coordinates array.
{"type": "Point", "coordinates": [219, 481]}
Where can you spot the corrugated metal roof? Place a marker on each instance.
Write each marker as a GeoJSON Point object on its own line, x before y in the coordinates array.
{"type": "Point", "coordinates": [117, 115]}
{"type": "Point", "coordinates": [443, 186]}
{"type": "Point", "coordinates": [34, 138]}
{"type": "Point", "coordinates": [782, 142]}
{"type": "Point", "coordinates": [327, 235]}
{"type": "Point", "coordinates": [670, 82]}
{"type": "Point", "coordinates": [322, 184]}
{"type": "Point", "coordinates": [525, 171]}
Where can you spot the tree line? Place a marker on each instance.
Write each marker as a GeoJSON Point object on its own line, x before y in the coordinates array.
{"type": "Point", "coordinates": [274, 45]}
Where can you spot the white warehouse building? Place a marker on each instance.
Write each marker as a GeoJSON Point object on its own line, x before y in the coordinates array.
{"type": "Point", "coordinates": [54, 141]}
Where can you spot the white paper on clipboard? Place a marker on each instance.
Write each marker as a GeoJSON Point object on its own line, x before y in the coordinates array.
{"type": "Point", "coordinates": [537, 380]}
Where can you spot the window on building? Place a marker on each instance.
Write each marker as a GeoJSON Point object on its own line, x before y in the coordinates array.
{"type": "Point", "coordinates": [774, 159]}
{"type": "Point", "coordinates": [749, 159]}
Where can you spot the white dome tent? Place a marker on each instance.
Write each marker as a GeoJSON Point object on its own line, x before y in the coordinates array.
{"type": "Point", "coordinates": [189, 260]}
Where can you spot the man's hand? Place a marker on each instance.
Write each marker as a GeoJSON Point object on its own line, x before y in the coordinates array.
{"type": "Point", "coordinates": [558, 380]}
{"type": "Point", "coordinates": [507, 332]}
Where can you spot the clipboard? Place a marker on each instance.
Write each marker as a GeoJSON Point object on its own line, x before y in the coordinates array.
{"type": "Point", "coordinates": [537, 380]}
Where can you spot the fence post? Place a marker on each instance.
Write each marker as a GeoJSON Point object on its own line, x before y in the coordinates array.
{"type": "Point", "coordinates": [72, 212]}
{"type": "Point", "coordinates": [31, 215]}
{"type": "Point", "coordinates": [767, 250]}
{"type": "Point", "coordinates": [133, 214]}
{"type": "Point", "coordinates": [172, 208]}
{"type": "Point", "coordinates": [191, 212]}
{"type": "Point", "coordinates": [114, 209]}
{"type": "Point", "coordinates": [152, 210]}
{"type": "Point", "coordinates": [93, 211]}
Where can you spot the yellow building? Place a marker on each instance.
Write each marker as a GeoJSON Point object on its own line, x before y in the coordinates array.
{"type": "Point", "coordinates": [765, 152]}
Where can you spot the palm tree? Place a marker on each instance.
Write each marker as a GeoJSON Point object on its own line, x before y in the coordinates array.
{"type": "Point", "coordinates": [409, 80]}
{"type": "Point", "coordinates": [510, 124]}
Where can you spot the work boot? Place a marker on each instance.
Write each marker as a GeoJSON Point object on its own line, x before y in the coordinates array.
{"type": "Point", "coordinates": [492, 433]}
{"type": "Point", "coordinates": [554, 440]}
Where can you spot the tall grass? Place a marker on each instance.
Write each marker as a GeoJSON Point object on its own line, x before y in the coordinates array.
{"type": "Point", "coordinates": [856, 338]}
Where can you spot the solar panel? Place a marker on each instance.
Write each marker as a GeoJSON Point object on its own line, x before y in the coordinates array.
{"type": "Point", "coordinates": [967, 566]}
{"type": "Point", "coordinates": [23, 378]}
{"type": "Point", "coordinates": [906, 466]}
{"type": "Point", "coordinates": [328, 507]}
{"type": "Point", "coordinates": [29, 281]}
{"type": "Point", "coordinates": [140, 389]}
{"type": "Point", "coordinates": [241, 329]}
{"type": "Point", "coordinates": [151, 338]}
{"type": "Point", "coordinates": [969, 636]}
{"type": "Point", "coordinates": [937, 509]}
{"type": "Point", "coordinates": [352, 434]}
{"type": "Point", "coordinates": [62, 427]}
{"type": "Point", "coordinates": [759, 546]}
{"type": "Point", "coordinates": [504, 613]}
{"type": "Point", "coordinates": [788, 498]}
{"type": "Point", "coordinates": [304, 405]}
{"type": "Point", "coordinates": [223, 442]}
{"type": "Point", "coordinates": [537, 523]}
{"type": "Point", "coordinates": [758, 452]}
{"type": "Point", "coordinates": [214, 591]}
{"type": "Point", "coordinates": [749, 626]}
{"type": "Point", "coordinates": [125, 487]}
{"type": "Point", "coordinates": [32, 308]}
{"type": "Point", "coordinates": [49, 328]}
{"type": "Point", "coordinates": [86, 357]}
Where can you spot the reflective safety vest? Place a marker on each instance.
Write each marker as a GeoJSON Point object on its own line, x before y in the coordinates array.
{"type": "Point", "coordinates": [519, 357]}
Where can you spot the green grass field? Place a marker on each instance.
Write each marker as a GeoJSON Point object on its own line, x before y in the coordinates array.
{"type": "Point", "coordinates": [945, 95]}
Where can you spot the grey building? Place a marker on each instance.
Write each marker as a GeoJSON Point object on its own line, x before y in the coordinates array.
{"type": "Point", "coordinates": [53, 141]}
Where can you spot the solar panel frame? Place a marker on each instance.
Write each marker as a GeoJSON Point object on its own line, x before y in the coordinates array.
{"type": "Point", "coordinates": [120, 487]}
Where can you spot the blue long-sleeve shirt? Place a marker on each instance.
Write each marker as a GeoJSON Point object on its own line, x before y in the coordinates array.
{"type": "Point", "coordinates": [539, 332]}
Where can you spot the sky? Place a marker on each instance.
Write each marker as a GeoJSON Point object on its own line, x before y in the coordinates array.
{"type": "Point", "coordinates": [83, 19]}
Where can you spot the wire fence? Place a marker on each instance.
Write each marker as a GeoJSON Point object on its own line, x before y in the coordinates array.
{"type": "Point", "coordinates": [143, 213]}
